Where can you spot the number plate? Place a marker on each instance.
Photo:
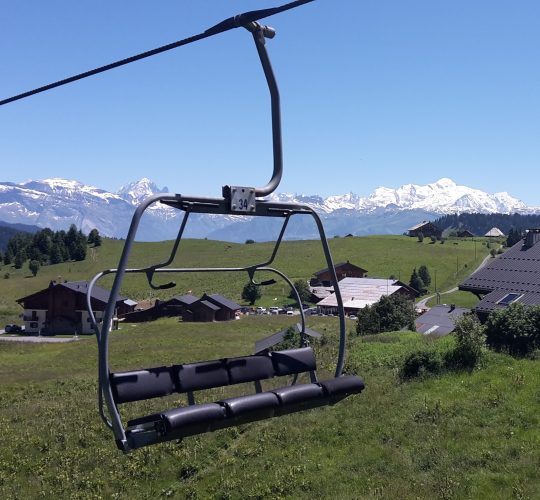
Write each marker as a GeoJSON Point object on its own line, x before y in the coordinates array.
{"type": "Point", "coordinates": [242, 199]}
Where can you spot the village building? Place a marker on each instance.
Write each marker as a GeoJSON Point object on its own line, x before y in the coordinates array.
{"type": "Point", "coordinates": [513, 276]}
{"type": "Point", "coordinates": [439, 320]}
{"type": "Point", "coordinates": [176, 306]}
{"type": "Point", "coordinates": [213, 307]}
{"type": "Point", "coordinates": [357, 293]}
{"type": "Point", "coordinates": [494, 232]}
{"type": "Point", "coordinates": [343, 270]}
{"type": "Point", "coordinates": [465, 233]}
{"type": "Point", "coordinates": [61, 308]}
{"type": "Point", "coordinates": [427, 229]}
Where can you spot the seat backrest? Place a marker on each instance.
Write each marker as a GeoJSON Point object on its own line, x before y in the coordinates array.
{"type": "Point", "coordinates": [142, 384]}
{"type": "Point", "coordinates": [165, 380]}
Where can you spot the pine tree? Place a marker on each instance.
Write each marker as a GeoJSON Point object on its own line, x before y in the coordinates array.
{"type": "Point", "coordinates": [424, 275]}
{"type": "Point", "coordinates": [251, 293]}
{"type": "Point", "coordinates": [34, 267]}
{"type": "Point", "coordinates": [416, 282]}
{"type": "Point", "coordinates": [20, 259]}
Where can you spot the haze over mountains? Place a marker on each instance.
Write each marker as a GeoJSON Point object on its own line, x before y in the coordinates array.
{"type": "Point", "coordinates": [57, 203]}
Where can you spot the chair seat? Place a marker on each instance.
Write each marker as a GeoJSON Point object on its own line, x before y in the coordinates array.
{"type": "Point", "coordinates": [297, 394]}
{"type": "Point", "coordinates": [341, 387]}
{"type": "Point", "coordinates": [192, 418]}
{"type": "Point", "coordinates": [242, 405]}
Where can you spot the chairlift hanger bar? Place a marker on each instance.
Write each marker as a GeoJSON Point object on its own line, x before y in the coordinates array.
{"type": "Point", "coordinates": [240, 20]}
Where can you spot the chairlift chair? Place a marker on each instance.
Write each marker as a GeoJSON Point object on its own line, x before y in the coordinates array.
{"type": "Point", "coordinates": [119, 388]}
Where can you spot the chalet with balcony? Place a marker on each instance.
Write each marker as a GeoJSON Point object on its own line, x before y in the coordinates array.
{"type": "Point", "coordinates": [61, 308]}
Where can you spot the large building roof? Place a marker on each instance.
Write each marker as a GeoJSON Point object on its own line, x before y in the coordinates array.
{"type": "Point", "coordinates": [337, 266]}
{"type": "Point", "coordinates": [515, 271]}
{"type": "Point", "coordinates": [223, 302]}
{"type": "Point", "coordinates": [439, 320]}
{"type": "Point", "coordinates": [98, 293]}
{"type": "Point", "coordinates": [360, 292]}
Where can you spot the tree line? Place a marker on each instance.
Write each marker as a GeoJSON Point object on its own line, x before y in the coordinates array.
{"type": "Point", "coordinates": [480, 224]}
{"type": "Point", "coordinates": [48, 247]}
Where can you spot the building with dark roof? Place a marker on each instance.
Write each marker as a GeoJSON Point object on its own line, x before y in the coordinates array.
{"type": "Point", "coordinates": [61, 308]}
{"type": "Point", "coordinates": [426, 228]}
{"type": "Point", "coordinates": [465, 233]}
{"type": "Point", "coordinates": [212, 307]}
{"type": "Point", "coordinates": [439, 320]}
{"type": "Point", "coordinates": [343, 270]}
{"type": "Point", "coordinates": [513, 276]}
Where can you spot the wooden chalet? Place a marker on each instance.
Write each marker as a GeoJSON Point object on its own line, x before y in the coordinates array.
{"type": "Point", "coordinates": [61, 308]}
{"type": "Point", "coordinates": [176, 306]}
{"type": "Point", "coordinates": [213, 307]}
{"type": "Point", "coordinates": [343, 270]}
{"type": "Point", "coordinates": [513, 276]}
{"type": "Point", "coordinates": [465, 233]}
{"type": "Point", "coordinates": [427, 228]}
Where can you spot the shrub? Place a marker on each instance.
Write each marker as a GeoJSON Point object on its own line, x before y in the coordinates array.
{"type": "Point", "coordinates": [250, 242]}
{"type": "Point", "coordinates": [514, 329]}
{"type": "Point", "coordinates": [433, 238]}
{"type": "Point", "coordinates": [470, 337]}
{"type": "Point", "coordinates": [420, 236]}
{"type": "Point", "coordinates": [493, 252]}
{"type": "Point", "coordinates": [392, 312]}
{"type": "Point", "coordinates": [420, 363]}
{"type": "Point", "coordinates": [303, 290]}
{"type": "Point", "coordinates": [251, 293]}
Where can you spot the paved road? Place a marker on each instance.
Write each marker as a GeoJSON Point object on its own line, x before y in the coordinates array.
{"type": "Point", "coordinates": [422, 304]}
{"type": "Point", "coordinates": [37, 340]}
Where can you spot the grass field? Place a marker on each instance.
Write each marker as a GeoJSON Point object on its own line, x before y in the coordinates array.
{"type": "Point", "coordinates": [458, 435]}
{"type": "Point", "coordinates": [382, 256]}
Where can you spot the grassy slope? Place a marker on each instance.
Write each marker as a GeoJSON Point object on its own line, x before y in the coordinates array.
{"type": "Point", "coordinates": [380, 255]}
{"type": "Point", "coordinates": [461, 435]}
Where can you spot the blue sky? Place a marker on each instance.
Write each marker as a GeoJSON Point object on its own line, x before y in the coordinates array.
{"type": "Point", "coordinates": [373, 93]}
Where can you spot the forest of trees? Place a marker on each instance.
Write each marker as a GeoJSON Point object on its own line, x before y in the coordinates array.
{"type": "Point", "coordinates": [48, 247]}
{"type": "Point", "coordinates": [480, 224]}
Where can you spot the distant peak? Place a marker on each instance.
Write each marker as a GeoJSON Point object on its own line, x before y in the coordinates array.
{"type": "Point", "coordinates": [446, 182]}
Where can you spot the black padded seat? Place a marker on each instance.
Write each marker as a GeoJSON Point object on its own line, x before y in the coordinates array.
{"type": "Point", "coordinates": [252, 407]}
{"type": "Point", "coordinates": [341, 387]}
{"type": "Point", "coordinates": [194, 419]}
{"type": "Point", "coordinates": [142, 384]}
{"type": "Point", "coordinates": [293, 361]}
{"type": "Point", "coordinates": [249, 368]}
{"type": "Point", "coordinates": [202, 375]}
{"type": "Point", "coordinates": [299, 397]}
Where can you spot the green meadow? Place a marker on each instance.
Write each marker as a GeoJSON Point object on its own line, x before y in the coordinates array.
{"type": "Point", "coordinates": [382, 256]}
{"type": "Point", "coordinates": [458, 435]}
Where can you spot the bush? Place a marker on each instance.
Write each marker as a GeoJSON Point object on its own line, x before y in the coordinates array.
{"type": "Point", "coordinates": [420, 363]}
{"type": "Point", "coordinates": [514, 329]}
{"type": "Point", "coordinates": [392, 312]}
{"type": "Point", "coordinates": [303, 290]}
{"type": "Point", "coordinates": [493, 252]}
{"type": "Point", "coordinates": [470, 337]}
{"type": "Point", "coordinates": [250, 242]}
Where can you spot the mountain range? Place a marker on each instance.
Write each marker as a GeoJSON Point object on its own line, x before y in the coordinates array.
{"type": "Point", "coordinates": [58, 203]}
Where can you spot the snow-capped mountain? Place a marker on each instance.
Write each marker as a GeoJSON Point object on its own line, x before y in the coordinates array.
{"type": "Point", "coordinates": [57, 203]}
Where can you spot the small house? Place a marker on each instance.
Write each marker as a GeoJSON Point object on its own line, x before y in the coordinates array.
{"type": "Point", "coordinates": [61, 308]}
{"type": "Point", "coordinates": [439, 320]}
{"type": "Point", "coordinates": [213, 307]}
{"type": "Point", "coordinates": [343, 270]}
{"type": "Point", "coordinates": [494, 232]}
{"type": "Point", "coordinates": [427, 229]}
{"type": "Point", "coordinates": [465, 233]}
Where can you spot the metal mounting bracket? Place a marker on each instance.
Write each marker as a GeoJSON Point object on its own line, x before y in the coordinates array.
{"type": "Point", "coordinates": [242, 199]}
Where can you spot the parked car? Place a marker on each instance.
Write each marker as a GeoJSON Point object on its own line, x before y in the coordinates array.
{"type": "Point", "coordinates": [261, 310]}
{"type": "Point", "coordinates": [12, 328]}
